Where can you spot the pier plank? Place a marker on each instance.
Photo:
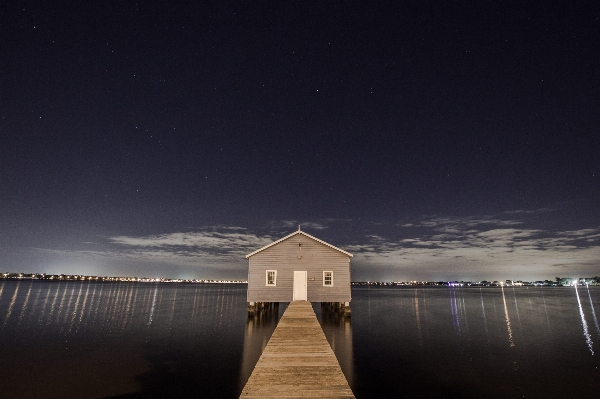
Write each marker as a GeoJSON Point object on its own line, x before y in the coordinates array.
{"type": "Point", "coordinates": [298, 362]}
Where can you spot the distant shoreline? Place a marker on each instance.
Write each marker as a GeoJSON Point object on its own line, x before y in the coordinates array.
{"type": "Point", "coordinates": [560, 281]}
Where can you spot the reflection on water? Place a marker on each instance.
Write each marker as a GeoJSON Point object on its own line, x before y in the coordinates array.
{"type": "Point", "coordinates": [469, 342]}
{"type": "Point", "coordinates": [586, 334]}
{"type": "Point", "coordinates": [24, 308]}
{"type": "Point", "coordinates": [593, 311]}
{"type": "Point", "coordinates": [458, 310]}
{"type": "Point", "coordinates": [128, 340]}
{"type": "Point", "coordinates": [12, 303]}
{"type": "Point", "coordinates": [153, 304]}
{"type": "Point", "coordinates": [485, 324]}
{"type": "Point", "coordinates": [134, 340]}
{"type": "Point", "coordinates": [259, 328]}
{"type": "Point", "coordinates": [510, 334]}
{"type": "Point", "coordinates": [338, 331]}
{"type": "Point", "coordinates": [545, 308]}
{"type": "Point", "coordinates": [418, 314]}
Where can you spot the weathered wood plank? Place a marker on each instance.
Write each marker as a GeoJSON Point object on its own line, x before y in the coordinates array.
{"type": "Point", "coordinates": [298, 361]}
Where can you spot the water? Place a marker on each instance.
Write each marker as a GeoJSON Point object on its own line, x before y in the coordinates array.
{"type": "Point", "coordinates": [133, 340]}
{"type": "Point", "coordinates": [476, 342]}
{"type": "Point", "coordinates": [122, 340]}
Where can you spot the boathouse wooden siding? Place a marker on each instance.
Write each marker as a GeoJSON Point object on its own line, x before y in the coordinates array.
{"type": "Point", "coordinates": [299, 252]}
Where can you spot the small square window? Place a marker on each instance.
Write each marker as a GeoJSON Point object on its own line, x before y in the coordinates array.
{"type": "Point", "coordinates": [328, 278]}
{"type": "Point", "coordinates": [271, 277]}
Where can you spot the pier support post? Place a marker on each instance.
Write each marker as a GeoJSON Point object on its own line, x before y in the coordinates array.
{"type": "Point", "coordinates": [255, 308]}
{"type": "Point", "coordinates": [339, 308]}
{"type": "Point", "coordinates": [346, 308]}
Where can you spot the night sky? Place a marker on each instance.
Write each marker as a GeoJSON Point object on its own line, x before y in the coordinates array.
{"type": "Point", "coordinates": [434, 141]}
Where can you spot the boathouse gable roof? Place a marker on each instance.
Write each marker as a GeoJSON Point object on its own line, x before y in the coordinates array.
{"type": "Point", "coordinates": [294, 234]}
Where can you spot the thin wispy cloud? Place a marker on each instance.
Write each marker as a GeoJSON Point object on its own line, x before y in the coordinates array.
{"type": "Point", "coordinates": [439, 246]}
{"type": "Point", "coordinates": [534, 211]}
{"type": "Point", "coordinates": [457, 224]}
{"type": "Point", "coordinates": [293, 224]}
{"type": "Point", "coordinates": [216, 243]}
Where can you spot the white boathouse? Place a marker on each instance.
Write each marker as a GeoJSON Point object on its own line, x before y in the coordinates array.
{"type": "Point", "coordinates": [298, 267]}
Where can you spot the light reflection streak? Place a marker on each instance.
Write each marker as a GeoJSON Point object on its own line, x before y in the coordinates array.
{"type": "Point", "coordinates": [424, 301]}
{"type": "Point", "coordinates": [106, 307]}
{"type": "Point", "coordinates": [24, 308]}
{"type": "Point", "coordinates": [485, 323]}
{"type": "Point", "coordinates": [71, 296]}
{"type": "Point", "coordinates": [43, 311]}
{"type": "Point", "coordinates": [454, 310]}
{"type": "Point", "coordinates": [74, 313]}
{"type": "Point", "coordinates": [116, 303]}
{"type": "Point", "coordinates": [51, 313]}
{"type": "Point", "coordinates": [203, 300]}
{"type": "Point", "coordinates": [545, 309]}
{"type": "Point", "coordinates": [593, 311]}
{"type": "Point", "coordinates": [34, 306]}
{"type": "Point", "coordinates": [195, 303]}
{"type": "Point", "coordinates": [174, 301]}
{"type": "Point", "coordinates": [220, 307]}
{"type": "Point", "coordinates": [147, 302]}
{"type": "Point", "coordinates": [65, 308]}
{"type": "Point", "coordinates": [508, 327]}
{"type": "Point", "coordinates": [463, 312]}
{"type": "Point", "coordinates": [83, 308]}
{"type": "Point", "coordinates": [416, 307]}
{"type": "Point", "coordinates": [62, 302]}
{"type": "Point", "coordinates": [126, 307]}
{"type": "Point", "coordinates": [99, 300]}
{"type": "Point", "coordinates": [586, 334]}
{"type": "Point", "coordinates": [12, 303]}
{"type": "Point", "coordinates": [153, 303]}
{"type": "Point", "coordinates": [130, 305]}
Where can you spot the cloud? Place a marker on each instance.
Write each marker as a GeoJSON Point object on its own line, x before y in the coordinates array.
{"type": "Point", "coordinates": [192, 253]}
{"type": "Point", "coordinates": [293, 224]}
{"type": "Point", "coordinates": [470, 246]}
{"type": "Point", "coordinates": [429, 248]}
{"type": "Point", "coordinates": [217, 243]}
{"type": "Point", "coordinates": [582, 232]}
{"type": "Point", "coordinates": [535, 211]}
{"type": "Point", "coordinates": [209, 251]}
{"type": "Point", "coordinates": [458, 223]}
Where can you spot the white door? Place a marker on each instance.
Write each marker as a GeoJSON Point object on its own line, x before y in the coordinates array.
{"type": "Point", "coordinates": [299, 286]}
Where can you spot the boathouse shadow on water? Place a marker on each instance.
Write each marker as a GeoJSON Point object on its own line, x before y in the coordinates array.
{"type": "Point", "coordinates": [337, 327]}
{"type": "Point", "coordinates": [259, 328]}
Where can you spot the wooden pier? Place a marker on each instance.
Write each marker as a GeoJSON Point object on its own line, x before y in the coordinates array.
{"type": "Point", "coordinates": [298, 361]}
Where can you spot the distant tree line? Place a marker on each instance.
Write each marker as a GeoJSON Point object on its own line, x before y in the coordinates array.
{"type": "Point", "coordinates": [583, 280]}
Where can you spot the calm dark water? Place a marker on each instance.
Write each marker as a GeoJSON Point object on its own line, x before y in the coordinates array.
{"type": "Point", "coordinates": [132, 340]}
{"type": "Point", "coordinates": [527, 342]}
